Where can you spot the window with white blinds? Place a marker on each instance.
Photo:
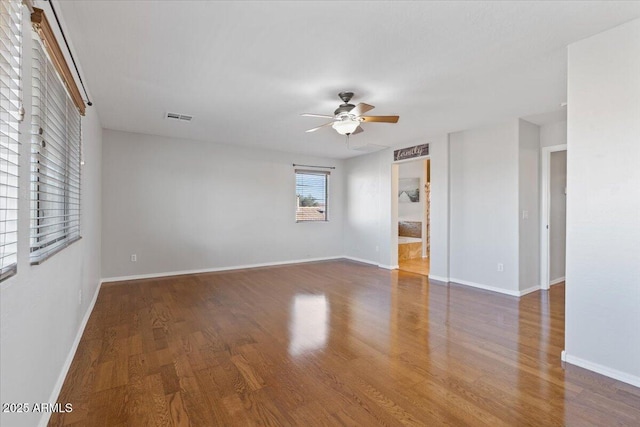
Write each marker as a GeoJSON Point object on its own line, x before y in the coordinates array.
{"type": "Point", "coordinates": [55, 160]}
{"type": "Point", "coordinates": [312, 195]}
{"type": "Point", "coordinates": [10, 116]}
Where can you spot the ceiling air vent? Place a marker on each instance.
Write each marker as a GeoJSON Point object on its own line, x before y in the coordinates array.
{"type": "Point", "coordinates": [181, 117]}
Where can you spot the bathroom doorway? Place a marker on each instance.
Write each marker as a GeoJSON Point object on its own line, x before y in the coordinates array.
{"type": "Point", "coordinates": [414, 196]}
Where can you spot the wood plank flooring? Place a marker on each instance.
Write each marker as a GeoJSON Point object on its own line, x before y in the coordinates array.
{"type": "Point", "coordinates": [417, 265]}
{"type": "Point", "coordinates": [330, 343]}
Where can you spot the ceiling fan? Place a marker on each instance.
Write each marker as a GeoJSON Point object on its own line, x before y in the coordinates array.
{"type": "Point", "coordinates": [348, 117]}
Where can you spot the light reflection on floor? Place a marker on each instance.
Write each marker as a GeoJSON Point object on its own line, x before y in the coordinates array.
{"type": "Point", "coordinates": [308, 328]}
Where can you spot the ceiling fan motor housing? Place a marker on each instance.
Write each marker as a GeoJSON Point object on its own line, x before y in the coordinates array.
{"type": "Point", "coordinates": [346, 107]}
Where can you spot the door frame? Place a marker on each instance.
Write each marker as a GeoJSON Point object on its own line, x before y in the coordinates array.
{"type": "Point", "coordinates": [545, 212]}
{"type": "Point", "coordinates": [395, 176]}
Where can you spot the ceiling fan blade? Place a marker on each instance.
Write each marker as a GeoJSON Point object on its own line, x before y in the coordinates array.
{"type": "Point", "coordinates": [316, 115]}
{"type": "Point", "coordinates": [321, 126]}
{"type": "Point", "coordinates": [381, 119]}
{"type": "Point", "coordinates": [361, 108]}
{"type": "Point", "coordinates": [357, 131]}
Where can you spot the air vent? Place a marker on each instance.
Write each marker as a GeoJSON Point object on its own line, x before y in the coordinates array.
{"type": "Point", "coordinates": [181, 117]}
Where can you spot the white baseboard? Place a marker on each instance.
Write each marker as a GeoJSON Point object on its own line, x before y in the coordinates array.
{"type": "Point", "coordinates": [367, 261]}
{"type": "Point", "coordinates": [528, 290]}
{"type": "Point", "coordinates": [362, 260]}
{"type": "Point", "coordinates": [600, 369]}
{"type": "Point", "coordinates": [439, 278]}
{"type": "Point", "coordinates": [494, 289]}
{"type": "Point", "coordinates": [44, 419]}
{"type": "Point", "coordinates": [215, 269]}
{"type": "Point", "coordinates": [556, 281]}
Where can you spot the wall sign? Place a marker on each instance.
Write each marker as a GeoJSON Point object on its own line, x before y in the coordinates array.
{"type": "Point", "coordinates": [411, 152]}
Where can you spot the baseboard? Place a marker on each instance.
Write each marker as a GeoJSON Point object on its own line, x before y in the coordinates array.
{"type": "Point", "coordinates": [215, 269]}
{"type": "Point", "coordinates": [600, 369]}
{"type": "Point", "coordinates": [366, 261]}
{"type": "Point", "coordinates": [528, 290]}
{"type": "Point", "coordinates": [362, 260]}
{"type": "Point", "coordinates": [44, 420]}
{"type": "Point", "coordinates": [439, 278]}
{"type": "Point", "coordinates": [556, 281]}
{"type": "Point", "coordinates": [494, 289]}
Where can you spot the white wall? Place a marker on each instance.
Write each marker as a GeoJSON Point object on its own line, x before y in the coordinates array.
{"type": "Point", "coordinates": [439, 209]}
{"type": "Point", "coordinates": [553, 134]}
{"type": "Point", "coordinates": [603, 204]}
{"type": "Point", "coordinates": [484, 207]}
{"type": "Point", "coordinates": [529, 205]}
{"type": "Point", "coordinates": [370, 234]}
{"type": "Point", "coordinates": [182, 205]}
{"type": "Point", "coordinates": [557, 215]}
{"type": "Point", "coordinates": [364, 218]}
{"type": "Point", "coordinates": [40, 310]}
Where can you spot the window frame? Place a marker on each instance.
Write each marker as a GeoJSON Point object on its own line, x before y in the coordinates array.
{"type": "Point", "coordinates": [326, 175]}
{"type": "Point", "coordinates": [56, 147]}
{"type": "Point", "coordinates": [12, 112]}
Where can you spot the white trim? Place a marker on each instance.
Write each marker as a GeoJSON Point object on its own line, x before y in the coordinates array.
{"type": "Point", "coordinates": [241, 267]}
{"type": "Point", "coordinates": [366, 261]}
{"type": "Point", "coordinates": [528, 290]}
{"type": "Point", "coordinates": [44, 419]}
{"type": "Point", "coordinates": [214, 269]}
{"type": "Point", "coordinates": [556, 281]}
{"type": "Point", "coordinates": [439, 278]}
{"type": "Point", "coordinates": [362, 260]}
{"type": "Point", "coordinates": [600, 369]}
{"type": "Point", "coordinates": [494, 289]}
{"type": "Point", "coordinates": [545, 155]}
{"type": "Point", "coordinates": [399, 162]}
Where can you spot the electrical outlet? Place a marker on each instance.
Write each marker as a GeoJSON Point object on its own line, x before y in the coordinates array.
{"type": "Point", "coordinates": [79, 296]}
{"type": "Point", "coordinates": [500, 267]}
{"type": "Point", "coordinates": [134, 258]}
{"type": "Point", "coordinates": [525, 214]}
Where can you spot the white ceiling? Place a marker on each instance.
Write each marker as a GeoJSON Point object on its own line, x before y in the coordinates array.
{"type": "Point", "coordinates": [247, 70]}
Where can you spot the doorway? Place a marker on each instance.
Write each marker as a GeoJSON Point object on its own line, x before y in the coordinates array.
{"type": "Point", "coordinates": [554, 211]}
{"type": "Point", "coordinates": [414, 196]}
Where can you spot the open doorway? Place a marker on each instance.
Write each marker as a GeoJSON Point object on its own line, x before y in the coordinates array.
{"type": "Point", "coordinates": [414, 196]}
{"type": "Point", "coordinates": [554, 213]}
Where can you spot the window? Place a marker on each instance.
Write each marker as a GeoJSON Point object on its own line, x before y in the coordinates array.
{"type": "Point", "coordinates": [312, 195]}
{"type": "Point", "coordinates": [55, 156]}
{"type": "Point", "coordinates": [10, 116]}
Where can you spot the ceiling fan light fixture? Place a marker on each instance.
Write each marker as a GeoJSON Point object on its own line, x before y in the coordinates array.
{"type": "Point", "coordinates": [346, 127]}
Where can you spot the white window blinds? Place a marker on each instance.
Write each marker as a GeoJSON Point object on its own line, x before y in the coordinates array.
{"type": "Point", "coordinates": [312, 195]}
{"type": "Point", "coordinates": [10, 116]}
{"type": "Point", "coordinates": [55, 161]}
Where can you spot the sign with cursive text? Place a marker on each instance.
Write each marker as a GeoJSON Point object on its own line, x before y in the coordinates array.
{"type": "Point", "coordinates": [411, 152]}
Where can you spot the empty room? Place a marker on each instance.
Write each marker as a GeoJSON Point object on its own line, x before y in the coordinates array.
{"type": "Point", "coordinates": [236, 213]}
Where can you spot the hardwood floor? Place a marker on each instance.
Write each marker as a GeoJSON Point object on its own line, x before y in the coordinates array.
{"type": "Point", "coordinates": [417, 265]}
{"type": "Point", "coordinates": [330, 343]}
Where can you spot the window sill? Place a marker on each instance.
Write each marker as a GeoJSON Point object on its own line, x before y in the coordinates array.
{"type": "Point", "coordinates": [9, 273]}
{"type": "Point", "coordinates": [55, 251]}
